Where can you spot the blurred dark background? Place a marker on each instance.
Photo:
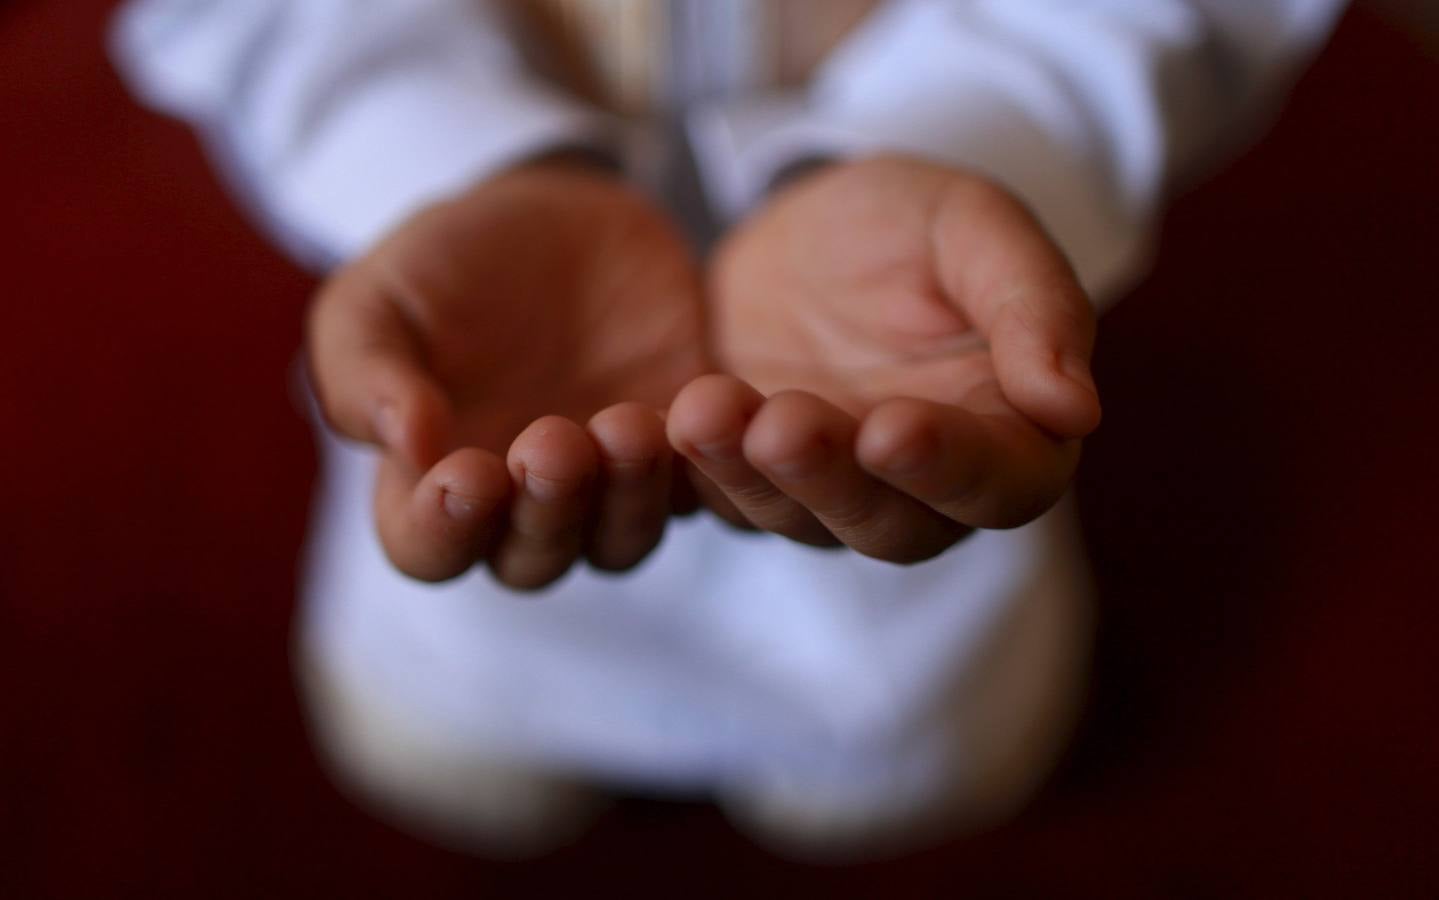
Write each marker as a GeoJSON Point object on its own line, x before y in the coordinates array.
{"type": "Point", "coordinates": [1260, 507]}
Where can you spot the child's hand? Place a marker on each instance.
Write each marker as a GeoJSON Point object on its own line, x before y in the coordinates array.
{"type": "Point", "coordinates": [550, 291]}
{"type": "Point", "coordinates": [929, 347]}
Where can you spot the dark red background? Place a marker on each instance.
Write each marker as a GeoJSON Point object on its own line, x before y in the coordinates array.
{"type": "Point", "coordinates": [1260, 506]}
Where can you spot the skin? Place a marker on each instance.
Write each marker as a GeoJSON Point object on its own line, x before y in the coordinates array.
{"type": "Point", "coordinates": [887, 354]}
{"type": "Point", "coordinates": [924, 350]}
{"type": "Point", "coordinates": [510, 351]}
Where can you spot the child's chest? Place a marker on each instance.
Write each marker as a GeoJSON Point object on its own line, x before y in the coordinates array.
{"type": "Point", "coordinates": [639, 57]}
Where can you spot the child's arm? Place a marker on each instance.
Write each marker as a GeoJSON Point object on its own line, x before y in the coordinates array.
{"type": "Point", "coordinates": [923, 342]}
{"type": "Point", "coordinates": [336, 119]}
{"type": "Point", "coordinates": [1090, 111]}
{"type": "Point", "coordinates": [921, 353]}
{"type": "Point", "coordinates": [510, 349]}
{"type": "Point", "coordinates": [478, 289]}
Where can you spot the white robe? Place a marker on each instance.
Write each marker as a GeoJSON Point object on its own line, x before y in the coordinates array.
{"type": "Point", "coordinates": [728, 661]}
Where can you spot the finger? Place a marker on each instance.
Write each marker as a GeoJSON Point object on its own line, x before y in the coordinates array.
{"type": "Point", "coordinates": [707, 424]}
{"type": "Point", "coordinates": [554, 466]}
{"type": "Point", "coordinates": [1041, 350]}
{"type": "Point", "coordinates": [981, 471]}
{"type": "Point", "coordinates": [436, 526]}
{"type": "Point", "coordinates": [997, 263]}
{"type": "Point", "coordinates": [710, 496]}
{"type": "Point", "coordinates": [698, 406]}
{"type": "Point", "coordinates": [368, 368]}
{"type": "Point", "coordinates": [635, 475]}
{"type": "Point", "coordinates": [684, 497]}
{"type": "Point", "coordinates": [805, 446]}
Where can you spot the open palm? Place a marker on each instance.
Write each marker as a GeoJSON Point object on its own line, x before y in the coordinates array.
{"type": "Point", "coordinates": [908, 358]}
{"type": "Point", "coordinates": [512, 350]}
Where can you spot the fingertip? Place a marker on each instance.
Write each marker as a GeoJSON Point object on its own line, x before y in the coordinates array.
{"type": "Point", "coordinates": [413, 422]}
{"type": "Point", "coordinates": [899, 437]}
{"type": "Point", "coordinates": [389, 425]}
{"type": "Point", "coordinates": [471, 485]}
{"type": "Point", "coordinates": [630, 438]}
{"type": "Point", "coordinates": [1087, 407]}
{"type": "Point", "coordinates": [553, 459]}
{"type": "Point", "coordinates": [794, 433]}
{"type": "Point", "coordinates": [434, 528]}
{"type": "Point", "coordinates": [369, 374]}
{"type": "Point", "coordinates": [1060, 397]}
{"type": "Point", "coordinates": [633, 502]}
{"type": "Point", "coordinates": [1041, 357]}
{"type": "Point", "coordinates": [710, 415]}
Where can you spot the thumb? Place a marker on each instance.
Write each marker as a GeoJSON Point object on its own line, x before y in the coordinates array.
{"type": "Point", "coordinates": [1042, 344]}
{"type": "Point", "coordinates": [996, 261]}
{"type": "Point", "coordinates": [367, 362]}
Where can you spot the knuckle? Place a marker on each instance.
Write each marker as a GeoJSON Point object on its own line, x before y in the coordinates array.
{"type": "Point", "coordinates": [910, 547]}
{"type": "Point", "coordinates": [754, 495]}
{"type": "Point", "coordinates": [854, 512]}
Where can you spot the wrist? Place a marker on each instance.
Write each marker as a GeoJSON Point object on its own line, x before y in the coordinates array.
{"type": "Point", "coordinates": [799, 170]}
{"type": "Point", "coordinates": [572, 159]}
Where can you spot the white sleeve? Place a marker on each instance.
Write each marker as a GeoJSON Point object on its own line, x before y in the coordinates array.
{"type": "Point", "coordinates": [337, 118]}
{"type": "Point", "coordinates": [1091, 110]}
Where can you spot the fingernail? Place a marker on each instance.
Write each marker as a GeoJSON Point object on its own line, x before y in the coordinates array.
{"type": "Point", "coordinates": [388, 428]}
{"type": "Point", "coordinates": [459, 507]}
{"type": "Point", "coordinates": [912, 457]}
{"type": "Point", "coordinates": [718, 452]}
{"type": "Point", "coordinates": [802, 464]}
{"type": "Point", "coordinates": [627, 471]}
{"type": "Point", "coordinates": [1077, 371]}
{"type": "Point", "coordinates": [546, 490]}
